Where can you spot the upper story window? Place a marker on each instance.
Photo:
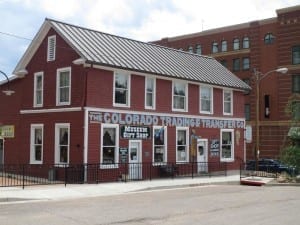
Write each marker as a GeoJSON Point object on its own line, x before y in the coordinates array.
{"type": "Point", "coordinates": [121, 89]}
{"type": "Point", "coordinates": [150, 93]}
{"type": "Point", "coordinates": [182, 144]}
{"type": "Point", "coordinates": [36, 143]}
{"type": "Point", "coordinates": [247, 81]}
{"type": "Point", "coordinates": [214, 47]}
{"type": "Point", "coordinates": [236, 44]}
{"type": "Point", "coordinates": [38, 89]}
{"type": "Point", "coordinates": [179, 96]}
{"type": "Point", "coordinates": [206, 99]}
{"type": "Point", "coordinates": [159, 144]}
{"type": "Point", "coordinates": [198, 49]}
{"type": "Point", "coordinates": [63, 86]}
{"type": "Point", "coordinates": [110, 144]}
{"type": "Point", "coordinates": [269, 38]}
{"type": "Point", "coordinates": [224, 46]}
{"type": "Point", "coordinates": [190, 49]}
{"type": "Point", "coordinates": [247, 112]}
{"type": "Point", "coordinates": [51, 49]}
{"type": "Point", "coordinates": [296, 55]}
{"type": "Point", "coordinates": [224, 62]}
{"type": "Point", "coordinates": [246, 63]}
{"type": "Point", "coordinates": [227, 147]}
{"type": "Point", "coordinates": [296, 83]}
{"type": "Point", "coordinates": [62, 143]}
{"type": "Point", "coordinates": [246, 42]}
{"type": "Point", "coordinates": [227, 102]}
{"type": "Point", "coordinates": [236, 64]}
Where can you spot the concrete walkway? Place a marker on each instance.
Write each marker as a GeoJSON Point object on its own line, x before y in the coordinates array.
{"type": "Point", "coordinates": [72, 191]}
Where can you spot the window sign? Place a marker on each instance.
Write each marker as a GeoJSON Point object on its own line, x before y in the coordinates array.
{"type": "Point", "coordinates": [135, 132]}
{"type": "Point", "coordinates": [7, 131]}
{"type": "Point", "coordinates": [214, 147]}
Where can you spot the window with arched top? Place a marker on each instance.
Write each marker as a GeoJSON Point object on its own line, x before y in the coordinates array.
{"type": "Point", "coordinates": [214, 47]}
{"type": "Point", "coordinates": [190, 49]}
{"type": "Point", "coordinates": [269, 38]}
{"type": "Point", "coordinates": [246, 42]}
{"type": "Point", "coordinates": [236, 44]}
{"type": "Point", "coordinates": [198, 49]}
{"type": "Point", "coordinates": [224, 46]}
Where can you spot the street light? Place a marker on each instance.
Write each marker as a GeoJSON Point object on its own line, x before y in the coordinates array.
{"type": "Point", "coordinates": [258, 77]}
{"type": "Point", "coordinates": [8, 92]}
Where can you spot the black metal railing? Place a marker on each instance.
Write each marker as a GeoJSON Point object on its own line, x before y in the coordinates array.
{"type": "Point", "coordinates": [27, 175]}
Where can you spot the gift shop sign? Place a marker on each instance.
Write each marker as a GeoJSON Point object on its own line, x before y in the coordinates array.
{"type": "Point", "coordinates": [134, 132]}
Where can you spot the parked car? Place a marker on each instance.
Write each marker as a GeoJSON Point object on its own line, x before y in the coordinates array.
{"type": "Point", "coordinates": [270, 165]}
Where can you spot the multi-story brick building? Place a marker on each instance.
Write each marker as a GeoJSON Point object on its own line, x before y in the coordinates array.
{"type": "Point", "coordinates": [94, 98]}
{"type": "Point", "coordinates": [261, 46]}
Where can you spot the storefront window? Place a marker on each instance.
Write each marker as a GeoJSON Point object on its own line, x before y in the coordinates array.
{"type": "Point", "coordinates": [227, 145]}
{"type": "Point", "coordinates": [182, 145]}
{"type": "Point", "coordinates": [159, 144]}
{"type": "Point", "coordinates": [109, 144]}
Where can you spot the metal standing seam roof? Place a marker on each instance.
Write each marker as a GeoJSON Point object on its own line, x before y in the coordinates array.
{"type": "Point", "coordinates": [114, 51]}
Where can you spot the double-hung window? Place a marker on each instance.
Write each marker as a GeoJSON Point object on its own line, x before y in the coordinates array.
{"type": "Point", "coordinates": [36, 143]}
{"type": "Point", "coordinates": [236, 44]}
{"type": "Point", "coordinates": [110, 144]}
{"type": "Point", "coordinates": [182, 143]}
{"type": "Point", "coordinates": [38, 89]}
{"type": "Point", "coordinates": [227, 146]}
{"type": "Point", "coordinates": [121, 89]}
{"type": "Point", "coordinates": [180, 96]}
{"type": "Point", "coordinates": [214, 47]}
{"type": "Point", "coordinates": [63, 86]}
{"type": "Point", "coordinates": [150, 93]}
{"type": "Point", "coordinates": [246, 42]}
{"type": "Point", "coordinates": [227, 102]}
{"type": "Point", "coordinates": [159, 144]}
{"type": "Point", "coordinates": [62, 143]}
{"type": "Point", "coordinates": [224, 46]}
{"type": "Point", "coordinates": [206, 99]}
{"type": "Point", "coordinates": [296, 55]}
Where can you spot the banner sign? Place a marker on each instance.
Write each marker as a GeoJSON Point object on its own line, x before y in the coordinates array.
{"type": "Point", "coordinates": [135, 132]}
{"type": "Point", "coordinates": [170, 121]}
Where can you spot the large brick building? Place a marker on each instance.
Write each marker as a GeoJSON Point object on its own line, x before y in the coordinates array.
{"type": "Point", "coordinates": [94, 98]}
{"type": "Point", "coordinates": [261, 46]}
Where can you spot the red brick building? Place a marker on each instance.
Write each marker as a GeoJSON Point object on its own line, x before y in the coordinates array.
{"type": "Point", "coordinates": [95, 98]}
{"type": "Point", "coordinates": [264, 46]}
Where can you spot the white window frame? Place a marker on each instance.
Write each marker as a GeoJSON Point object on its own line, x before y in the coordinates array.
{"type": "Point", "coordinates": [153, 93]}
{"type": "Point", "coordinates": [51, 48]}
{"type": "Point", "coordinates": [187, 144]}
{"type": "Point", "coordinates": [36, 90]}
{"type": "Point", "coordinates": [211, 100]}
{"type": "Point", "coordinates": [231, 102]}
{"type": "Point", "coordinates": [165, 145]}
{"type": "Point", "coordinates": [127, 104]}
{"type": "Point", "coordinates": [33, 127]}
{"type": "Point", "coordinates": [231, 159]}
{"type": "Point", "coordinates": [185, 96]}
{"type": "Point", "coordinates": [116, 164]}
{"type": "Point", "coordinates": [59, 126]}
{"type": "Point", "coordinates": [58, 91]}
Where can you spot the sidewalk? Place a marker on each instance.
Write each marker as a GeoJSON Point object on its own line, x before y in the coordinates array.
{"type": "Point", "coordinates": [72, 191]}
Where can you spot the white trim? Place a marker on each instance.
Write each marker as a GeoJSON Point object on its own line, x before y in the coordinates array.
{"type": "Point", "coordinates": [231, 102]}
{"type": "Point", "coordinates": [85, 141]}
{"type": "Point", "coordinates": [187, 144]}
{"type": "Point", "coordinates": [51, 48]}
{"type": "Point", "coordinates": [56, 110]}
{"type": "Point", "coordinates": [128, 89]}
{"type": "Point", "coordinates": [186, 99]}
{"type": "Point", "coordinates": [165, 145]}
{"type": "Point", "coordinates": [211, 99]}
{"type": "Point", "coordinates": [32, 142]}
{"type": "Point", "coordinates": [36, 75]}
{"type": "Point", "coordinates": [114, 165]}
{"type": "Point", "coordinates": [153, 107]}
{"type": "Point", "coordinates": [232, 145]}
{"type": "Point", "coordinates": [57, 153]}
{"type": "Point", "coordinates": [58, 73]}
{"type": "Point", "coordinates": [161, 114]}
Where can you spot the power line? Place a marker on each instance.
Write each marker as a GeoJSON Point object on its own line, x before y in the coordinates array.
{"type": "Point", "coordinates": [15, 36]}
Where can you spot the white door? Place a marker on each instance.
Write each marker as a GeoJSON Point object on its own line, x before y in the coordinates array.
{"type": "Point", "coordinates": [202, 155]}
{"type": "Point", "coordinates": [1, 151]}
{"type": "Point", "coordinates": [135, 159]}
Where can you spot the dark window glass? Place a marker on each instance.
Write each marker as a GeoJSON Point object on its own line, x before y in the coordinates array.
{"type": "Point", "coordinates": [198, 49]}
{"type": "Point", "coordinates": [236, 44]}
{"type": "Point", "coordinates": [247, 111]}
{"type": "Point", "coordinates": [246, 63]}
{"type": "Point", "coordinates": [236, 65]}
{"type": "Point", "coordinates": [224, 63]}
{"type": "Point", "coordinates": [190, 49]}
{"type": "Point", "coordinates": [269, 38]}
{"type": "Point", "coordinates": [296, 55]}
{"type": "Point", "coordinates": [296, 83]}
{"type": "Point", "coordinates": [224, 46]}
{"type": "Point", "coordinates": [246, 42]}
{"type": "Point", "coordinates": [215, 47]}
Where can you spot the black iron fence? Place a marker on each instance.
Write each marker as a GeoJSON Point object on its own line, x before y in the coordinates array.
{"type": "Point", "coordinates": [27, 175]}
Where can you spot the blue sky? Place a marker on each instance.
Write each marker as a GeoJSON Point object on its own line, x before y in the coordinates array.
{"type": "Point", "coordinates": [144, 20]}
